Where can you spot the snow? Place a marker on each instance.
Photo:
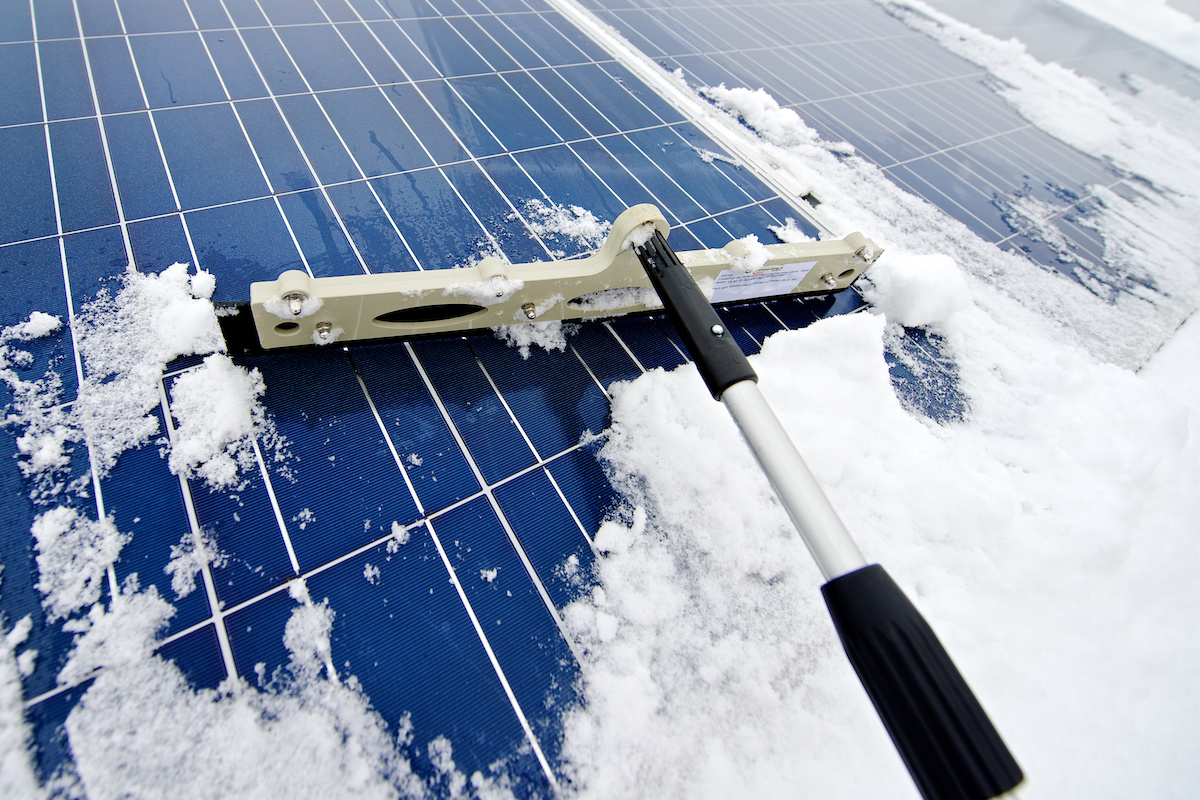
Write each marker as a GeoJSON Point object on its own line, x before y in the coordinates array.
{"type": "Point", "coordinates": [74, 554]}
{"type": "Point", "coordinates": [576, 228]}
{"type": "Point", "coordinates": [126, 341]}
{"type": "Point", "coordinates": [140, 727]}
{"type": "Point", "coordinates": [1155, 22]}
{"type": "Point", "coordinates": [917, 290]}
{"type": "Point", "coordinates": [17, 778]}
{"type": "Point", "coordinates": [218, 418]}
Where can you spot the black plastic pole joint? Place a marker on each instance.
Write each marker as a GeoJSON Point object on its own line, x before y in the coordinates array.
{"type": "Point", "coordinates": [717, 356]}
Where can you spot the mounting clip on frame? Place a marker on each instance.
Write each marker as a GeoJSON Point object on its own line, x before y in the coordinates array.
{"type": "Point", "coordinates": [298, 309]}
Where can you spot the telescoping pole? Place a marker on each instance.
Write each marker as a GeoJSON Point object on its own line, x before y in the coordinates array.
{"type": "Point", "coordinates": [949, 745]}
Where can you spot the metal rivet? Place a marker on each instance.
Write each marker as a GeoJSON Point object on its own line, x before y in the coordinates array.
{"type": "Point", "coordinates": [530, 310]}
{"type": "Point", "coordinates": [718, 331]}
{"type": "Point", "coordinates": [295, 301]}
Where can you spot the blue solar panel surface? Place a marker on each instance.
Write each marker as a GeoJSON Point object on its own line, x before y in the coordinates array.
{"type": "Point", "coordinates": [358, 136]}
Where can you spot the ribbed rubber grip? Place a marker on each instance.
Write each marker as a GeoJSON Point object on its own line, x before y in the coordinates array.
{"type": "Point", "coordinates": [946, 740]}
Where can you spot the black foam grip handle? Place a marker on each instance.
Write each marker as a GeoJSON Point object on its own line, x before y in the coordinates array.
{"type": "Point", "coordinates": [717, 356]}
{"type": "Point", "coordinates": [946, 740]}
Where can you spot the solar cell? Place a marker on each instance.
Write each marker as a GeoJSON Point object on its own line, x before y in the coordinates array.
{"type": "Point", "coordinates": [254, 136]}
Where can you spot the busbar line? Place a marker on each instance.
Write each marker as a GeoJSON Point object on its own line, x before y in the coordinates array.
{"type": "Point", "coordinates": [210, 589]}
{"type": "Point", "coordinates": [512, 698]}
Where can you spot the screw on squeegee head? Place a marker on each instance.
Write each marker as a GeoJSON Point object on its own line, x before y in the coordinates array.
{"type": "Point", "coordinates": [298, 310]}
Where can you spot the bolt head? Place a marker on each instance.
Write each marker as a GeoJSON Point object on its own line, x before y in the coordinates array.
{"type": "Point", "coordinates": [718, 331]}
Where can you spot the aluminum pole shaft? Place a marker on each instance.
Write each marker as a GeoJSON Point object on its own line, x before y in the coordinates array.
{"type": "Point", "coordinates": [819, 525]}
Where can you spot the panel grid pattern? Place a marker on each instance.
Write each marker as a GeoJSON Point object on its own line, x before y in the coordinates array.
{"type": "Point", "coordinates": [928, 119]}
{"type": "Point", "coordinates": [253, 137]}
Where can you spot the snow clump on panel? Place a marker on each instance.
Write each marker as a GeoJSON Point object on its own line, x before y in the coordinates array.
{"type": "Point", "coordinates": [74, 554]}
{"type": "Point", "coordinates": [126, 341]}
{"type": "Point", "coordinates": [219, 417]}
{"type": "Point", "coordinates": [140, 728]}
{"type": "Point", "coordinates": [17, 778]}
{"type": "Point", "coordinates": [571, 227]}
{"type": "Point", "coordinates": [916, 291]}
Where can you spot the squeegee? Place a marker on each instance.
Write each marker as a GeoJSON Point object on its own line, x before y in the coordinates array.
{"type": "Point", "coordinates": [941, 731]}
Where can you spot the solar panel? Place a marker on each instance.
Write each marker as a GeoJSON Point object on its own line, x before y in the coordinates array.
{"type": "Point", "coordinates": [340, 137]}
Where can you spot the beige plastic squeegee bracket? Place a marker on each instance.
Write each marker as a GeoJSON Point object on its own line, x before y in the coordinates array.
{"type": "Point", "coordinates": [298, 309]}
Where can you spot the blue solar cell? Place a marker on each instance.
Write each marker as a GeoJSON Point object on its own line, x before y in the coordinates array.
{"type": "Point", "coordinates": [198, 656]}
{"type": "Point", "coordinates": [648, 344]}
{"type": "Point", "coordinates": [429, 454]}
{"type": "Point", "coordinates": [209, 14]}
{"type": "Point", "coordinates": [51, 747]}
{"type": "Point", "coordinates": [402, 49]}
{"type": "Point", "coordinates": [414, 198]}
{"type": "Point", "coordinates": [246, 14]}
{"type": "Point", "coordinates": [271, 59]}
{"type": "Point", "coordinates": [471, 131]}
{"type": "Point", "coordinates": [81, 175]}
{"type": "Point", "coordinates": [175, 69]}
{"type": "Point", "coordinates": [237, 71]}
{"type": "Point", "coordinates": [16, 24]}
{"type": "Point", "coordinates": [20, 100]}
{"type": "Point", "coordinates": [324, 245]}
{"type": "Point", "coordinates": [378, 62]}
{"type": "Point", "coordinates": [551, 395]}
{"type": "Point", "coordinates": [155, 16]}
{"type": "Point", "coordinates": [449, 53]}
{"type": "Point", "coordinates": [141, 176]}
{"type": "Point", "coordinates": [55, 19]}
{"type": "Point", "coordinates": [495, 212]}
{"type": "Point", "coordinates": [408, 639]}
{"type": "Point", "coordinates": [510, 120]}
{"type": "Point", "coordinates": [346, 489]}
{"type": "Point", "coordinates": [562, 176]}
{"type": "Point", "coordinates": [487, 48]}
{"type": "Point", "coordinates": [442, 143]}
{"type": "Point", "coordinates": [274, 146]}
{"type": "Point", "coordinates": [522, 632]}
{"type": "Point", "coordinates": [318, 139]}
{"type": "Point", "coordinates": [114, 76]}
{"type": "Point", "coordinates": [63, 68]}
{"type": "Point", "coordinates": [94, 259]}
{"type": "Point", "coordinates": [291, 12]}
{"type": "Point", "coordinates": [373, 233]}
{"type": "Point", "coordinates": [159, 242]}
{"type": "Point", "coordinates": [243, 528]}
{"type": "Point", "coordinates": [256, 635]}
{"type": "Point", "coordinates": [145, 501]}
{"type": "Point", "coordinates": [491, 436]}
{"type": "Point", "coordinates": [549, 535]}
{"type": "Point", "coordinates": [208, 156]}
{"type": "Point", "coordinates": [580, 477]}
{"type": "Point", "coordinates": [322, 57]}
{"type": "Point", "coordinates": [575, 104]}
{"type": "Point", "coordinates": [608, 363]}
{"type": "Point", "coordinates": [368, 125]}
{"type": "Point", "coordinates": [628, 173]}
{"type": "Point", "coordinates": [27, 185]}
{"type": "Point", "coordinates": [241, 243]}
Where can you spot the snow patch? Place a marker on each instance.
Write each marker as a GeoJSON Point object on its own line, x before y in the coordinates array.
{"type": "Point", "coordinates": [571, 227]}
{"type": "Point", "coordinates": [218, 418]}
{"type": "Point", "coordinates": [74, 554]}
{"type": "Point", "coordinates": [917, 291]}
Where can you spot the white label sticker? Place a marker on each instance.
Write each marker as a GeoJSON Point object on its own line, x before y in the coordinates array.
{"type": "Point", "coordinates": [734, 284]}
